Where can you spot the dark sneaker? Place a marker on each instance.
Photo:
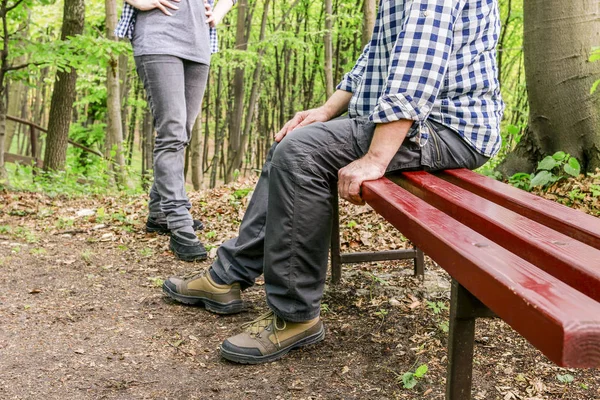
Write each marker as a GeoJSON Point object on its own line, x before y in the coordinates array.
{"type": "Point", "coordinates": [199, 289]}
{"type": "Point", "coordinates": [161, 228]}
{"type": "Point", "coordinates": [187, 247]}
{"type": "Point", "coordinates": [269, 338]}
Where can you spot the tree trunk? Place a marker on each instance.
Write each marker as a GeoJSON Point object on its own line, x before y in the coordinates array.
{"type": "Point", "coordinates": [15, 92]}
{"type": "Point", "coordinates": [218, 132]}
{"type": "Point", "coordinates": [558, 38]}
{"type": "Point", "coordinates": [147, 147]}
{"type": "Point", "coordinates": [370, 12]}
{"type": "Point", "coordinates": [236, 149]}
{"type": "Point", "coordinates": [254, 92]}
{"type": "Point", "coordinates": [3, 174]}
{"type": "Point", "coordinates": [63, 95]}
{"type": "Point", "coordinates": [328, 48]}
{"type": "Point", "coordinates": [114, 125]}
{"type": "Point", "coordinates": [196, 154]}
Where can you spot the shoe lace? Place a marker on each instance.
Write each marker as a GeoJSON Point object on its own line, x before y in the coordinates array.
{"type": "Point", "coordinates": [265, 322]}
{"type": "Point", "coordinates": [193, 274]}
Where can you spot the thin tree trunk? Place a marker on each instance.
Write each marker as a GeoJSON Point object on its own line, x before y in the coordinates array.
{"type": "Point", "coordinates": [218, 133]}
{"type": "Point", "coordinates": [147, 148]}
{"type": "Point", "coordinates": [254, 92]}
{"type": "Point", "coordinates": [328, 48]}
{"type": "Point", "coordinates": [133, 122]}
{"type": "Point", "coordinates": [236, 149]}
{"type": "Point", "coordinates": [63, 95]}
{"type": "Point", "coordinates": [196, 154]}
{"type": "Point", "coordinates": [114, 126]}
{"type": "Point", "coordinates": [15, 92]}
{"type": "Point", "coordinates": [370, 12]}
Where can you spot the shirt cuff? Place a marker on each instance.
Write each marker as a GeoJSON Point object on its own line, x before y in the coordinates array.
{"type": "Point", "coordinates": [394, 107]}
{"type": "Point", "coordinates": [349, 83]}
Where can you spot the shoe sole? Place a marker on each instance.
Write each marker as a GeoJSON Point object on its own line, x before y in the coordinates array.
{"type": "Point", "coordinates": [232, 307]}
{"type": "Point", "coordinates": [246, 359]}
{"type": "Point", "coordinates": [189, 257]}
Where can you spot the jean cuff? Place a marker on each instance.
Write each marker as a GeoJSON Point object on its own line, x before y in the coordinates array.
{"type": "Point", "coordinates": [294, 317]}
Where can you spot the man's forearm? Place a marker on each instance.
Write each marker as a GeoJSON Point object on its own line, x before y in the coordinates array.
{"type": "Point", "coordinates": [387, 140]}
{"type": "Point", "coordinates": [337, 104]}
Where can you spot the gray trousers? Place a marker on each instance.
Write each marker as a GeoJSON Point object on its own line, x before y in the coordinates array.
{"type": "Point", "coordinates": [286, 229]}
{"type": "Point", "coordinates": [175, 88]}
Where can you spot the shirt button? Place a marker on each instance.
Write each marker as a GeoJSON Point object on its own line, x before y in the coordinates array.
{"type": "Point", "coordinates": [426, 13]}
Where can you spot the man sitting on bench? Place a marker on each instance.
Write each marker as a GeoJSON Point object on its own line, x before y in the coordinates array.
{"type": "Point", "coordinates": [423, 95]}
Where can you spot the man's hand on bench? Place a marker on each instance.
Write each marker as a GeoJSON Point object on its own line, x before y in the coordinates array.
{"type": "Point", "coordinates": [386, 142]}
{"type": "Point", "coordinates": [354, 174]}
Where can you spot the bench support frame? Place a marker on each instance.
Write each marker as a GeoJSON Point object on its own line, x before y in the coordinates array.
{"type": "Point", "coordinates": [464, 310]}
{"type": "Point", "coordinates": [337, 258]}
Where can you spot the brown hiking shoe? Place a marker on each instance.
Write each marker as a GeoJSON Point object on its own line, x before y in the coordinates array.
{"type": "Point", "coordinates": [198, 288]}
{"type": "Point", "coordinates": [269, 338]}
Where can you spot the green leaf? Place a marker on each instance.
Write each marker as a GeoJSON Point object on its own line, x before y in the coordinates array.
{"type": "Point", "coordinates": [547, 163]}
{"type": "Point", "coordinates": [595, 56]}
{"type": "Point", "coordinates": [541, 179]}
{"type": "Point", "coordinates": [572, 167]}
{"type": "Point", "coordinates": [566, 378]}
{"type": "Point", "coordinates": [421, 371]}
{"type": "Point", "coordinates": [559, 155]}
{"type": "Point", "coordinates": [513, 130]}
{"type": "Point", "coordinates": [408, 380]}
{"type": "Point", "coordinates": [595, 87]}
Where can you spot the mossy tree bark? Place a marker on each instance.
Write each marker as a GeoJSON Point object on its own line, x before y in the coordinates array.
{"type": "Point", "coordinates": [558, 39]}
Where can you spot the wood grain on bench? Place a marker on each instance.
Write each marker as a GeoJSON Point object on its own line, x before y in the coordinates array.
{"type": "Point", "coordinates": [562, 256]}
{"type": "Point", "coordinates": [559, 320]}
{"type": "Point", "coordinates": [573, 223]}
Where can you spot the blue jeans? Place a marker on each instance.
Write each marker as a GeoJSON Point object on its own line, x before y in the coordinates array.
{"type": "Point", "coordinates": [174, 88]}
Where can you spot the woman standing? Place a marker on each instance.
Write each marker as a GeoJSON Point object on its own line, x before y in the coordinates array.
{"type": "Point", "coordinates": [172, 44]}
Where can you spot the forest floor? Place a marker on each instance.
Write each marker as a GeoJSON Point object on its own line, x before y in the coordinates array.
{"type": "Point", "coordinates": [82, 315]}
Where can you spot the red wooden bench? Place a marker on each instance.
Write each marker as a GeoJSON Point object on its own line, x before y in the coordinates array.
{"type": "Point", "coordinates": [532, 262]}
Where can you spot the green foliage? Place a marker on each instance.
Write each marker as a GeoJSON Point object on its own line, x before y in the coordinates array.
{"type": "Point", "coordinates": [595, 56]}
{"type": "Point", "coordinates": [566, 378]}
{"type": "Point", "coordinates": [91, 179]}
{"type": "Point", "coordinates": [381, 313]}
{"type": "Point", "coordinates": [437, 306]}
{"type": "Point", "coordinates": [411, 379]}
{"type": "Point", "coordinates": [156, 281]}
{"type": "Point", "coordinates": [241, 193]}
{"type": "Point", "coordinates": [549, 170]}
{"type": "Point", "coordinates": [147, 252]}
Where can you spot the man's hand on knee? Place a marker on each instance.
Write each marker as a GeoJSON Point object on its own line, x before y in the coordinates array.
{"type": "Point", "coordinates": [336, 105]}
{"type": "Point", "coordinates": [351, 177]}
{"type": "Point", "coordinates": [301, 119]}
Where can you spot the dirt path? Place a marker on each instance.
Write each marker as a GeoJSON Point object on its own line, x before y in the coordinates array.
{"type": "Point", "coordinates": [82, 316]}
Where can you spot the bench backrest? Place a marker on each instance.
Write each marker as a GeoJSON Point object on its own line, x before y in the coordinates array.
{"type": "Point", "coordinates": [544, 283]}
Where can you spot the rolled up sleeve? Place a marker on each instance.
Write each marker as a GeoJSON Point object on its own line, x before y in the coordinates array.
{"type": "Point", "coordinates": [352, 79]}
{"type": "Point", "coordinates": [419, 61]}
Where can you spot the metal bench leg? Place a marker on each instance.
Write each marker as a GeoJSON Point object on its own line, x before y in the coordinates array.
{"type": "Point", "coordinates": [336, 263]}
{"type": "Point", "coordinates": [464, 309]}
{"type": "Point", "coordinates": [419, 262]}
{"type": "Point", "coordinates": [460, 344]}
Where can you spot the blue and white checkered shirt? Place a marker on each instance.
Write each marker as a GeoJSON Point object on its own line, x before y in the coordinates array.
{"type": "Point", "coordinates": [432, 59]}
{"type": "Point", "coordinates": [126, 25]}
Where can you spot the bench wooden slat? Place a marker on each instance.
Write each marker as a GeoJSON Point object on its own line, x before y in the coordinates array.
{"type": "Point", "coordinates": [576, 224]}
{"type": "Point", "coordinates": [527, 298]}
{"type": "Point", "coordinates": [566, 258]}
